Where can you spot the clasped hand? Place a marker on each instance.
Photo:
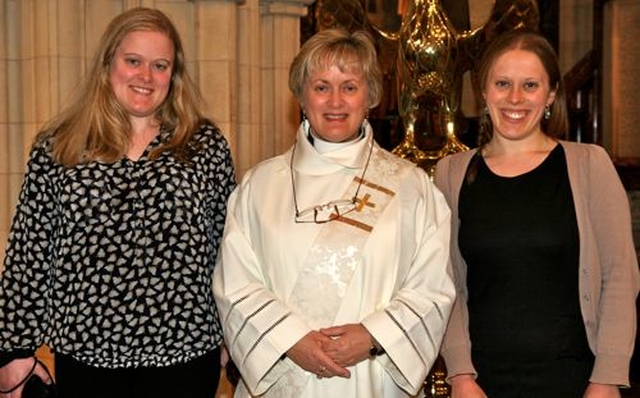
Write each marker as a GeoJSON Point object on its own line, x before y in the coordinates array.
{"type": "Point", "coordinates": [329, 352]}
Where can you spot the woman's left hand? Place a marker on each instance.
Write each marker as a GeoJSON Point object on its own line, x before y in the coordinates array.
{"type": "Point", "coordinates": [597, 390]}
{"type": "Point", "coordinates": [349, 343]}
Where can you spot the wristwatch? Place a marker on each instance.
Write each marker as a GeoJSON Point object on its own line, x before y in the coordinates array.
{"type": "Point", "coordinates": [376, 349]}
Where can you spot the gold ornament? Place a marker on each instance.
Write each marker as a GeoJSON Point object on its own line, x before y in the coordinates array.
{"type": "Point", "coordinates": [428, 60]}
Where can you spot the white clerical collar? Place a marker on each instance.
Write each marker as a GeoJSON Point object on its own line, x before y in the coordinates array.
{"type": "Point", "coordinates": [323, 146]}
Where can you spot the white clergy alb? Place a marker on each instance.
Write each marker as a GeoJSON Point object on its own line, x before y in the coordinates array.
{"type": "Point", "coordinates": [385, 265]}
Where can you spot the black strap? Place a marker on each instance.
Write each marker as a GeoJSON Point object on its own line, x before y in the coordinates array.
{"type": "Point", "coordinates": [35, 362]}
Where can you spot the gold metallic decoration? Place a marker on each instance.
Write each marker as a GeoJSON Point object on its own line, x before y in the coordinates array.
{"type": "Point", "coordinates": [430, 60]}
{"type": "Point", "coordinates": [429, 84]}
{"type": "Point", "coordinates": [435, 385]}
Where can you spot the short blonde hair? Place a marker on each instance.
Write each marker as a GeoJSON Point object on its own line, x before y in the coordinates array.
{"type": "Point", "coordinates": [337, 47]}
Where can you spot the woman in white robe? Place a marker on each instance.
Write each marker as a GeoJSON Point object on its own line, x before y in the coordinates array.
{"type": "Point", "coordinates": [334, 278]}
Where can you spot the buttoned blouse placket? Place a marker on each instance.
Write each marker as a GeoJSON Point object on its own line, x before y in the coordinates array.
{"type": "Point", "coordinates": [139, 173]}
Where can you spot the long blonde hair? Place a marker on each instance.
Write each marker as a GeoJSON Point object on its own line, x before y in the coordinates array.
{"type": "Point", "coordinates": [95, 126]}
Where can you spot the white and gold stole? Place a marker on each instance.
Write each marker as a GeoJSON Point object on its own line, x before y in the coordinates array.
{"type": "Point", "coordinates": [337, 252]}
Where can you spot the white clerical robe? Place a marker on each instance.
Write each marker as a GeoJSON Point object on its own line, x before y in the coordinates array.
{"type": "Point", "coordinates": [276, 279]}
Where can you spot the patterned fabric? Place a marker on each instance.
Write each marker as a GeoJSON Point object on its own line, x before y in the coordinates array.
{"type": "Point", "coordinates": [112, 263]}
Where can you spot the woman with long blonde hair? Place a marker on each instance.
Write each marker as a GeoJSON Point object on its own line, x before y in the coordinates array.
{"type": "Point", "coordinates": [112, 248]}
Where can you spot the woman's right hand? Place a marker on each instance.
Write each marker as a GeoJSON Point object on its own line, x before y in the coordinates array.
{"type": "Point", "coordinates": [308, 354]}
{"type": "Point", "coordinates": [465, 386]}
{"type": "Point", "coordinates": [16, 372]}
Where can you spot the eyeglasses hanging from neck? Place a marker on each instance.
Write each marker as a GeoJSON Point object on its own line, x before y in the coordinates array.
{"type": "Point", "coordinates": [332, 210]}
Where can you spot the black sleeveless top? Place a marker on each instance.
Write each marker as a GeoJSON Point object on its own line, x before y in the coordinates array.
{"type": "Point", "coordinates": [519, 238]}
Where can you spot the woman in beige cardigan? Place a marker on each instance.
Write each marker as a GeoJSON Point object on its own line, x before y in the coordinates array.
{"type": "Point", "coordinates": [542, 248]}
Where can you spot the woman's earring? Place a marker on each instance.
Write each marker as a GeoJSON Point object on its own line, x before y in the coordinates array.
{"type": "Point", "coordinates": [547, 112]}
{"type": "Point", "coordinates": [485, 111]}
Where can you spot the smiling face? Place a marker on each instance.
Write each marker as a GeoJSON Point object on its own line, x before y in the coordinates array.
{"type": "Point", "coordinates": [516, 92]}
{"type": "Point", "coordinates": [140, 74]}
{"type": "Point", "coordinates": [336, 103]}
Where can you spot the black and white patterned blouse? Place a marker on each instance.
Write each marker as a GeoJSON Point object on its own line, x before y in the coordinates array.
{"type": "Point", "coordinates": [112, 263]}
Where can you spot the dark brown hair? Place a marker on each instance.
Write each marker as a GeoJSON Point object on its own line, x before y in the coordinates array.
{"type": "Point", "coordinates": [524, 39]}
{"type": "Point", "coordinates": [528, 40]}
